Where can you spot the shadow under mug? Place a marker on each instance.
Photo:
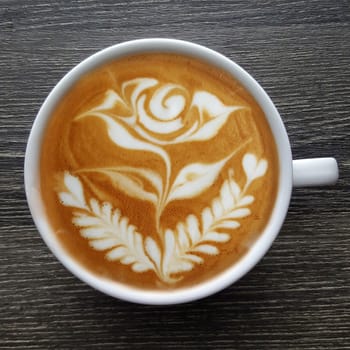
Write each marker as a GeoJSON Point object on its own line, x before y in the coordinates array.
{"type": "Point", "coordinates": [305, 172]}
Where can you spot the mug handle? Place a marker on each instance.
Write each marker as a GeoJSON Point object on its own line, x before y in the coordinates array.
{"type": "Point", "coordinates": [315, 172]}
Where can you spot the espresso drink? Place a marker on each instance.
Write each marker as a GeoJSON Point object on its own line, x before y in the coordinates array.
{"type": "Point", "coordinates": [158, 171]}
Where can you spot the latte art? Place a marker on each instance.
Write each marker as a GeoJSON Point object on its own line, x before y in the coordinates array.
{"type": "Point", "coordinates": [157, 174]}
{"type": "Point", "coordinates": [109, 231]}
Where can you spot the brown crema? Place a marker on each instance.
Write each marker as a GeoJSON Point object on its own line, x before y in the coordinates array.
{"type": "Point", "coordinates": [145, 169]}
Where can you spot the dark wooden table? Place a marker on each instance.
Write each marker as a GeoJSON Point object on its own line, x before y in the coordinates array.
{"type": "Point", "coordinates": [298, 297]}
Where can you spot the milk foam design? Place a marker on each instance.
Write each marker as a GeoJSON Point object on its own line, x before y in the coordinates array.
{"type": "Point", "coordinates": [168, 123]}
{"type": "Point", "coordinates": [158, 115]}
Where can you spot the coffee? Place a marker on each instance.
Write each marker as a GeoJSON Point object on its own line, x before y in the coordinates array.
{"type": "Point", "coordinates": [158, 171]}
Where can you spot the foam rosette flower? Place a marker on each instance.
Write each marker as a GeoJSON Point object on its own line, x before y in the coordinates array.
{"type": "Point", "coordinates": [160, 113]}
{"type": "Point", "coordinates": [145, 115]}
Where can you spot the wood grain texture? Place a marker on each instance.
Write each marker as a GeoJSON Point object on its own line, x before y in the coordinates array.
{"type": "Point", "coordinates": [298, 297]}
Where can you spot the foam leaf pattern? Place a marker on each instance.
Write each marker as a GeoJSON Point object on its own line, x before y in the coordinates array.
{"type": "Point", "coordinates": [180, 249]}
{"type": "Point", "coordinates": [217, 115]}
{"type": "Point", "coordinates": [253, 168]}
{"type": "Point", "coordinates": [132, 181]}
{"type": "Point", "coordinates": [187, 245]}
{"type": "Point", "coordinates": [194, 179]}
{"type": "Point", "coordinates": [107, 230]}
{"type": "Point", "coordinates": [75, 195]}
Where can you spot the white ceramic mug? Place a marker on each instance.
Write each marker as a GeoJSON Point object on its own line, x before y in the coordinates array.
{"type": "Point", "coordinates": [306, 172]}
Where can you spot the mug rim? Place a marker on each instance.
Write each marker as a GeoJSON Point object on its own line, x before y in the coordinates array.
{"type": "Point", "coordinates": [231, 274]}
